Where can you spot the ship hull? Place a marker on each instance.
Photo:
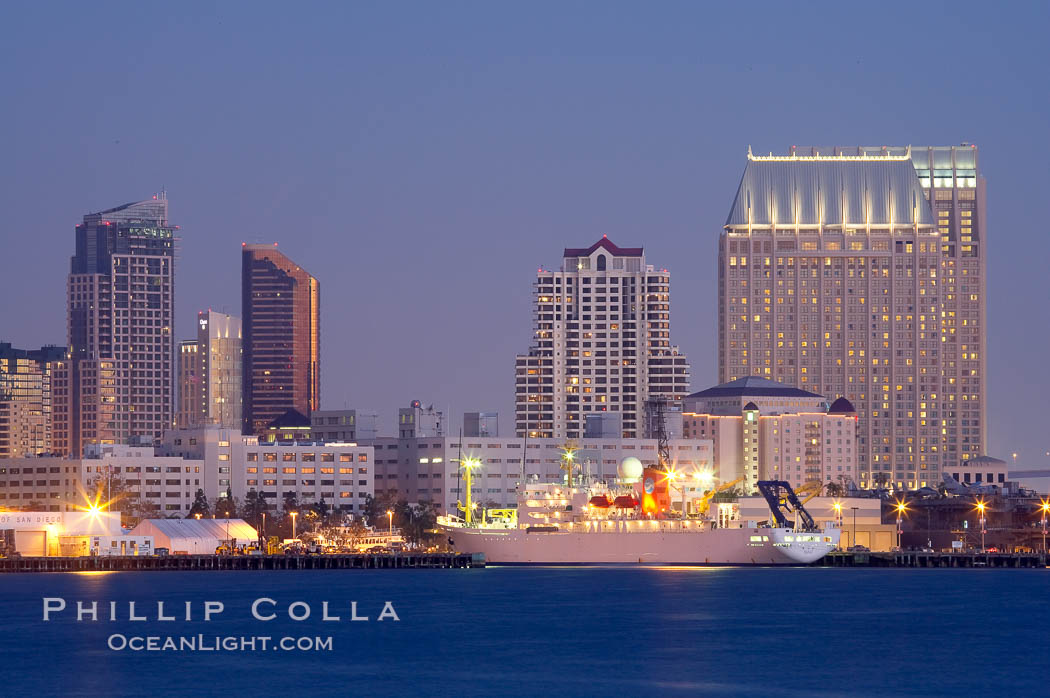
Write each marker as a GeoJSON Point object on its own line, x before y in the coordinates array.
{"type": "Point", "coordinates": [726, 546]}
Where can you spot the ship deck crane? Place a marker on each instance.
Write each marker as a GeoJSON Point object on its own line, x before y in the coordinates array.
{"type": "Point", "coordinates": [704, 503]}
{"type": "Point", "coordinates": [808, 490]}
{"type": "Point", "coordinates": [781, 498]}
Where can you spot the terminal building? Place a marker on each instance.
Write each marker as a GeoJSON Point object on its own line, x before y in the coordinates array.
{"type": "Point", "coordinates": [52, 534]}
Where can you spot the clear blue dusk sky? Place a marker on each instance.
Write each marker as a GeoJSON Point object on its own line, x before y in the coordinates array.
{"type": "Point", "coordinates": [423, 159]}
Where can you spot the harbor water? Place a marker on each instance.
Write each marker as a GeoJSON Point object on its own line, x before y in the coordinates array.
{"type": "Point", "coordinates": [585, 631]}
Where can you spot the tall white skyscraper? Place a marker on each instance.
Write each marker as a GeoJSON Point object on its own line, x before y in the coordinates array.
{"type": "Point", "coordinates": [219, 342]}
{"type": "Point", "coordinates": [602, 343]}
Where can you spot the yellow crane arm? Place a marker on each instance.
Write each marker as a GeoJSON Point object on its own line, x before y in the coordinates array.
{"type": "Point", "coordinates": [704, 502]}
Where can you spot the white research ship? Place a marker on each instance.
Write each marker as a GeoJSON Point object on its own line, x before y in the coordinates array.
{"type": "Point", "coordinates": [555, 524]}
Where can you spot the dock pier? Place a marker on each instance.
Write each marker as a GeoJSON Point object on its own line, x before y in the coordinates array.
{"type": "Point", "coordinates": [196, 563]}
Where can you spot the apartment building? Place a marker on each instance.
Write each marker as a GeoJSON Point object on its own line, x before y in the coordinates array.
{"type": "Point", "coordinates": [602, 343]}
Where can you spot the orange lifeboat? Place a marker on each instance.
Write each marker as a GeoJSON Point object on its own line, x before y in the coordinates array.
{"type": "Point", "coordinates": [600, 501]}
{"type": "Point", "coordinates": [625, 501]}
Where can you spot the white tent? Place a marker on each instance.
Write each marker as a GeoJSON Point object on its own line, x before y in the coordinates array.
{"type": "Point", "coordinates": [195, 536]}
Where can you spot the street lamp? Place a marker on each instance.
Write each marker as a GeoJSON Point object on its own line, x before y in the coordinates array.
{"type": "Point", "coordinates": [980, 508]}
{"type": "Point", "coordinates": [293, 514]}
{"type": "Point", "coordinates": [837, 506]}
{"type": "Point", "coordinates": [901, 508]}
{"type": "Point", "coordinates": [1045, 507]}
{"type": "Point", "coordinates": [854, 525]}
{"type": "Point", "coordinates": [390, 520]}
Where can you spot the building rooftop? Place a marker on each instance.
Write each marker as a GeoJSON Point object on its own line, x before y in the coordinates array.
{"type": "Point", "coordinates": [829, 190]}
{"type": "Point", "coordinates": [607, 245]}
{"type": "Point", "coordinates": [988, 460]}
{"type": "Point", "coordinates": [292, 419]}
{"type": "Point", "coordinates": [962, 156]}
{"type": "Point", "coordinates": [199, 528]}
{"type": "Point", "coordinates": [153, 210]}
{"type": "Point", "coordinates": [753, 386]}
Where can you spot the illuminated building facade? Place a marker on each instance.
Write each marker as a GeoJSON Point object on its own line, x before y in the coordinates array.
{"type": "Point", "coordinates": [221, 359]}
{"type": "Point", "coordinates": [303, 472]}
{"type": "Point", "coordinates": [119, 381]}
{"type": "Point", "coordinates": [602, 343]}
{"type": "Point", "coordinates": [830, 278]}
{"type": "Point", "coordinates": [281, 314]}
{"type": "Point", "coordinates": [189, 407]}
{"type": "Point", "coordinates": [210, 390]}
{"type": "Point", "coordinates": [951, 179]}
{"type": "Point", "coordinates": [764, 430]}
{"type": "Point", "coordinates": [151, 485]}
{"type": "Point", "coordinates": [25, 399]}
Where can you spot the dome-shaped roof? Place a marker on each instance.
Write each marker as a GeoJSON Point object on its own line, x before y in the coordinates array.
{"type": "Point", "coordinates": [750, 407]}
{"type": "Point", "coordinates": [753, 386]}
{"type": "Point", "coordinates": [841, 406]}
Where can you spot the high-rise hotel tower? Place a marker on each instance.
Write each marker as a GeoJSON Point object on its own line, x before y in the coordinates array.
{"type": "Point", "coordinates": [951, 178]}
{"type": "Point", "coordinates": [119, 380]}
{"type": "Point", "coordinates": [831, 278]}
{"type": "Point", "coordinates": [602, 344]}
{"type": "Point", "coordinates": [281, 317]}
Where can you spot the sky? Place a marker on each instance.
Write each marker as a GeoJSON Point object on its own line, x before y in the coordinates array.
{"type": "Point", "coordinates": [423, 159]}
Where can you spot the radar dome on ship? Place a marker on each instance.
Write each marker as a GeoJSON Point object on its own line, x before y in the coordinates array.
{"type": "Point", "coordinates": [630, 468]}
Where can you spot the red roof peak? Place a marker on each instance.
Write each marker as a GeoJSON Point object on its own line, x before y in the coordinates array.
{"type": "Point", "coordinates": [606, 244]}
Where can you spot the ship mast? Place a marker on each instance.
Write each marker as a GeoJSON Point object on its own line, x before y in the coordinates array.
{"type": "Point", "coordinates": [568, 460]}
{"type": "Point", "coordinates": [657, 407]}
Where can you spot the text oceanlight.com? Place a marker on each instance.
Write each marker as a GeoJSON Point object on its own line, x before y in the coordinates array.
{"type": "Point", "coordinates": [216, 643]}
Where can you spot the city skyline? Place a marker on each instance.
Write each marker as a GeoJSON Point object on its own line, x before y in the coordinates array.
{"type": "Point", "coordinates": [358, 230]}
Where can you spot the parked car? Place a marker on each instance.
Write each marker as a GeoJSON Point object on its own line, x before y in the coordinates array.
{"type": "Point", "coordinates": [860, 549]}
{"type": "Point", "coordinates": [160, 552]}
